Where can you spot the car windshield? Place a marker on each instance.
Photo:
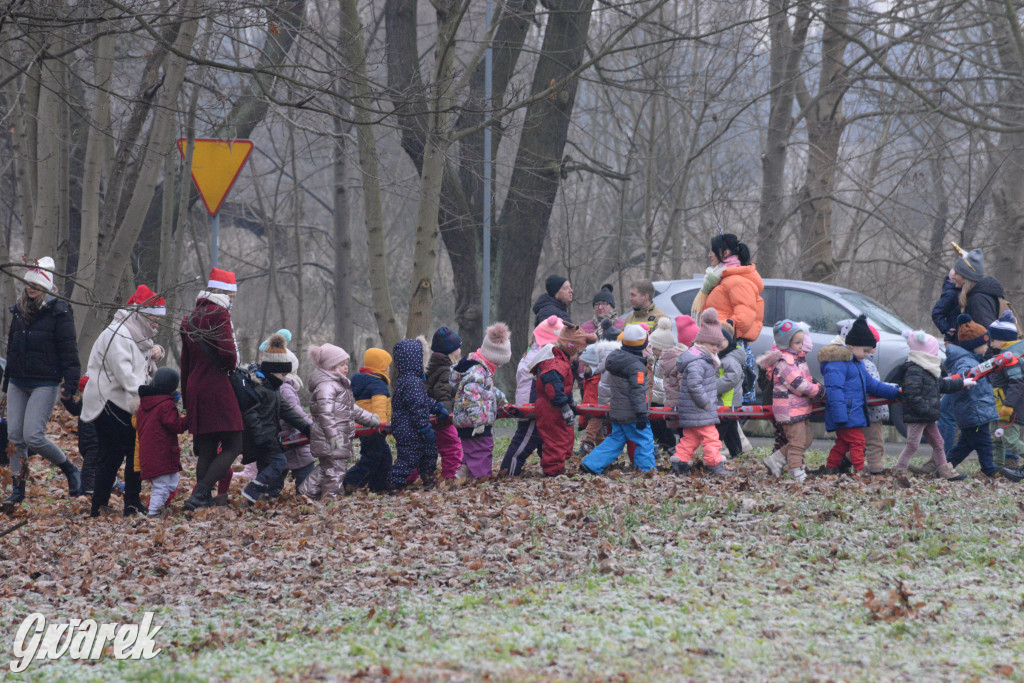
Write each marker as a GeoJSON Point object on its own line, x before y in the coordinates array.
{"type": "Point", "coordinates": [888, 320]}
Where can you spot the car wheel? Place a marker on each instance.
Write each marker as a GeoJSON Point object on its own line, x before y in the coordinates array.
{"type": "Point", "coordinates": [896, 409]}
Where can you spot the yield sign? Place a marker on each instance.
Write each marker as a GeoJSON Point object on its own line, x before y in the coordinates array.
{"type": "Point", "coordinates": [215, 167]}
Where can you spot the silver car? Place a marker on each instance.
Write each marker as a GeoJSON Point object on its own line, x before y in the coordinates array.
{"type": "Point", "coordinates": [824, 307]}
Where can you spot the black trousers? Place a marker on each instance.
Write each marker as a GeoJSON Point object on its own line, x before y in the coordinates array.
{"type": "Point", "coordinates": [729, 433]}
{"type": "Point", "coordinates": [373, 466]}
{"type": "Point", "coordinates": [116, 437]}
{"type": "Point", "coordinates": [211, 465]}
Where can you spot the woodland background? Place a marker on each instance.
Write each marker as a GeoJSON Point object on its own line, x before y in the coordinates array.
{"type": "Point", "coordinates": [844, 141]}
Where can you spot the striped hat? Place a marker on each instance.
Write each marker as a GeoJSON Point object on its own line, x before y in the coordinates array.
{"type": "Point", "coordinates": [1004, 328]}
{"type": "Point", "coordinates": [634, 336]}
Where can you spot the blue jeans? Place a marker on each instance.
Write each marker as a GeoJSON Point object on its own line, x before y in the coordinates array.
{"type": "Point", "coordinates": [947, 422]}
{"type": "Point", "coordinates": [974, 439]}
{"type": "Point", "coordinates": [28, 411]}
{"type": "Point", "coordinates": [609, 450]}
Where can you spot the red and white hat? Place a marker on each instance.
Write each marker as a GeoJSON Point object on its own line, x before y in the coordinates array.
{"type": "Point", "coordinates": [40, 275]}
{"type": "Point", "coordinates": [222, 279]}
{"type": "Point", "coordinates": [148, 301]}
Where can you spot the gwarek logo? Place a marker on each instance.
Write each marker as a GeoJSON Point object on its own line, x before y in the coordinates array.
{"type": "Point", "coordinates": [82, 639]}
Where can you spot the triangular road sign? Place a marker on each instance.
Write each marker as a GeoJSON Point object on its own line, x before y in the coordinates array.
{"type": "Point", "coordinates": [215, 167]}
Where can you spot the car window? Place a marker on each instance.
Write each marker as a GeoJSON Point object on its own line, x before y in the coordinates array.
{"type": "Point", "coordinates": [879, 314]}
{"type": "Point", "coordinates": [683, 301]}
{"type": "Point", "coordinates": [771, 306]}
{"type": "Point", "coordinates": [820, 313]}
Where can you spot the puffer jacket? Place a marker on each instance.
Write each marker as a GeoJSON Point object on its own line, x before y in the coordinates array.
{"type": "Point", "coordinates": [975, 406]}
{"type": "Point", "coordinates": [794, 390]}
{"type": "Point", "coordinates": [628, 382]}
{"type": "Point", "coordinates": [335, 413]}
{"type": "Point", "coordinates": [738, 296]}
{"type": "Point", "coordinates": [526, 387]}
{"type": "Point", "coordinates": [476, 398]}
{"type": "Point", "coordinates": [946, 309]}
{"type": "Point", "coordinates": [439, 385]}
{"type": "Point", "coordinates": [657, 382]}
{"type": "Point", "coordinates": [669, 370]}
{"type": "Point", "coordinates": [546, 306]}
{"type": "Point", "coordinates": [596, 357]}
{"type": "Point", "coordinates": [553, 370]}
{"type": "Point", "coordinates": [1008, 386]}
{"type": "Point", "coordinates": [117, 366]}
{"type": "Point", "coordinates": [158, 427]}
{"type": "Point", "coordinates": [875, 413]}
{"type": "Point", "coordinates": [45, 349]}
{"type": "Point", "coordinates": [298, 456]}
{"type": "Point", "coordinates": [410, 404]}
{"type": "Point", "coordinates": [921, 389]}
{"type": "Point", "coordinates": [263, 421]}
{"type": "Point", "coordinates": [372, 393]}
{"type": "Point", "coordinates": [730, 376]}
{"type": "Point", "coordinates": [983, 301]}
{"type": "Point", "coordinates": [847, 387]}
{"type": "Point", "coordinates": [698, 396]}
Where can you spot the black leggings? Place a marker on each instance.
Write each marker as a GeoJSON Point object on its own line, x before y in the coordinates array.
{"type": "Point", "coordinates": [116, 437]}
{"type": "Point", "coordinates": [211, 465]}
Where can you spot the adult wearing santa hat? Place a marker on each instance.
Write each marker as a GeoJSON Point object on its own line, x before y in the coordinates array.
{"type": "Point", "coordinates": [42, 355]}
{"type": "Point", "coordinates": [208, 354]}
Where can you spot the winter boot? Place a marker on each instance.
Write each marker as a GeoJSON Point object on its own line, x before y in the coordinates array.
{"type": "Point", "coordinates": [798, 474]}
{"type": "Point", "coordinates": [1012, 475]}
{"type": "Point", "coordinates": [17, 492]}
{"type": "Point", "coordinates": [220, 500]}
{"type": "Point", "coordinates": [253, 492]}
{"type": "Point", "coordinates": [680, 467]}
{"type": "Point", "coordinates": [846, 466]}
{"type": "Point", "coordinates": [926, 470]}
{"type": "Point", "coordinates": [718, 470]}
{"type": "Point", "coordinates": [200, 497]}
{"type": "Point", "coordinates": [584, 449]}
{"type": "Point", "coordinates": [133, 507]}
{"type": "Point", "coordinates": [775, 462]}
{"type": "Point", "coordinates": [74, 480]}
{"type": "Point", "coordinates": [946, 471]}
{"type": "Point", "coordinates": [586, 470]}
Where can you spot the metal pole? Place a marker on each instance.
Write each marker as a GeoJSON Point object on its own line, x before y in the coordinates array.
{"type": "Point", "coordinates": [214, 238]}
{"type": "Point", "coordinates": [488, 86]}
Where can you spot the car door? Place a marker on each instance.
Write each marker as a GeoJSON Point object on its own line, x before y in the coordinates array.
{"type": "Point", "coordinates": [820, 312]}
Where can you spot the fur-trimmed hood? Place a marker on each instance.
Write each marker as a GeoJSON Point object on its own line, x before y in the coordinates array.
{"type": "Point", "coordinates": [835, 352]}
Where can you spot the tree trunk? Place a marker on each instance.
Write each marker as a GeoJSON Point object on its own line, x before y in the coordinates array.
{"type": "Point", "coordinates": [343, 331]}
{"type": "Point", "coordinates": [787, 46]}
{"type": "Point", "coordinates": [523, 226]}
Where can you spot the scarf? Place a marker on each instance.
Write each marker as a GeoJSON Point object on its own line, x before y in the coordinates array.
{"type": "Point", "coordinates": [222, 300]}
{"type": "Point", "coordinates": [613, 316]}
{"type": "Point", "coordinates": [479, 357]}
{"type": "Point", "coordinates": [927, 361]}
{"type": "Point", "coordinates": [137, 326]}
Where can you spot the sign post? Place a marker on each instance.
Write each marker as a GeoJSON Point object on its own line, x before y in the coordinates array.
{"type": "Point", "coordinates": [216, 165]}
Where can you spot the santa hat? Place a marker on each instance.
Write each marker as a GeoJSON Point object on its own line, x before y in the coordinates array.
{"type": "Point", "coordinates": [662, 337]}
{"type": "Point", "coordinates": [919, 340]}
{"type": "Point", "coordinates": [1004, 328]}
{"type": "Point", "coordinates": [41, 276]}
{"type": "Point", "coordinates": [686, 329]}
{"type": "Point", "coordinates": [222, 279]}
{"type": "Point", "coordinates": [147, 301]}
{"type": "Point", "coordinates": [548, 330]}
{"type": "Point", "coordinates": [710, 332]}
{"type": "Point", "coordinates": [497, 345]}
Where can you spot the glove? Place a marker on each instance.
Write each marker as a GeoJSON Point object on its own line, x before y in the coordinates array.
{"type": "Point", "coordinates": [441, 412]}
{"type": "Point", "coordinates": [643, 423]}
{"type": "Point", "coordinates": [427, 434]}
{"type": "Point", "coordinates": [375, 422]}
{"type": "Point", "coordinates": [478, 430]}
{"type": "Point", "coordinates": [176, 396]}
{"type": "Point", "coordinates": [307, 430]}
{"type": "Point", "coordinates": [567, 414]}
{"type": "Point", "coordinates": [969, 382]}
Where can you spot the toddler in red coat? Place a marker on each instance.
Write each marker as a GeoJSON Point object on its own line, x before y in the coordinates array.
{"type": "Point", "coordinates": [158, 427]}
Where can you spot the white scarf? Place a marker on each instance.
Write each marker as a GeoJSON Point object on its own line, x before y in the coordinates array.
{"type": "Point", "coordinates": [136, 325]}
{"type": "Point", "coordinates": [222, 300]}
{"type": "Point", "coordinates": [927, 361]}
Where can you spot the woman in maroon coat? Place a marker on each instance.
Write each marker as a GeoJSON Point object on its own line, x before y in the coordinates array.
{"type": "Point", "coordinates": [208, 354]}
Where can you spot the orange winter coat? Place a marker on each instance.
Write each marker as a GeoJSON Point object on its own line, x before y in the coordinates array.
{"type": "Point", "coordinates": [738, 296]}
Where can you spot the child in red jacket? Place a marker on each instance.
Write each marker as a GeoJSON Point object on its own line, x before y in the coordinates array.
{"type": "Point", "coordinates": [158, 427]}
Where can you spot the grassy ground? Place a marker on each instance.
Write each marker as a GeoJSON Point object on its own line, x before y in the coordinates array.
{"type": "Point", "coordinates": [623, 577]}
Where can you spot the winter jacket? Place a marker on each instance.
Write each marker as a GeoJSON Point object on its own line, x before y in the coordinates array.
{"type": "Point", "coordinates": [1008, 386]}
{"type": "Point", "coordinates": [606, 329]}
{"type": "Point", "coordinates": [263, 421]}
{"type": "Point", "coordinates": [476, 398]}
{"type": "Point", "coordinates": [439, 385]}
{"type": "Point", "coordinates": [298, 456]}
{"type": "Point", "coordinates": [847, 387]}
{"type": "Point", "coordinates": [43, 350]}
{"type": "Point", "coordinates": [554, 376]}
{"type": "Point", "coordinates": [117, 366]}
{"type": "Point", "coordinates": [158, 426]}
{"type": "Point", "coordinates": [946, 309]}
{"type": "Point", "coordinates": [738, 296]}
{"type": "Point", "coordinates": [875, 413]}
{"type": "Point", "coordinates": [628, 382]}
{"type": "Point", "coordinates": [410, 404]}
{"type": "Point", "coordinates": [595, 356]}
{"type": "Point", "coordinates": [730, 376]}
{"type": "Point", "coordinates": [657, 383]}
{"type": "Point", "coordinates": [547, 306]}
{"type": "Point", "coordinates": [698, 396]}
{"type": "Point", "coordinates": [206, 391]}
{"type": "Point", "coordinates": [526, 386]}
{"type": "Point", "coordinates": [669, 370]}
{"type": "Point", "coordinates": [983, 301]}
{"type": "Point", "coordinates": [648, 315]}
{"type": "Point", "coordinates": [921, 389]}
{"type": "Point", "coordinates": [335, 413]}
{"type": "Point", "coordinates": [372, 393]}
{"type": "Point", "coordinates": [794, 390]}
{"type": "Point", "coordinates": [975, 406]}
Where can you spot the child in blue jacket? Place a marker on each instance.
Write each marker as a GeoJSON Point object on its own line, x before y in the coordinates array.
{"type": "Point", "coordinates": [847, 387]}
{"type": "Point", "coordinates": [411, 408]}
{"type": "Point", "coordinates": [974, 408]}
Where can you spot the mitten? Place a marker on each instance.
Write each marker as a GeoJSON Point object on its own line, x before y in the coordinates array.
{"type": "Point", "coordinates": [642, 423]}
{"type": "Point", "coordinates": [567, 414]}
{"type": "Point", "coordinates": [427, 434]}
{"type": "Point", "coordinates": [969, 382]}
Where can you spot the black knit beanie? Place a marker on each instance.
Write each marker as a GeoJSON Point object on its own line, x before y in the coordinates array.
{"type": "Point", "coordinates": [860, 334]}
{"type": "Point", "coordinates": [554, 283]}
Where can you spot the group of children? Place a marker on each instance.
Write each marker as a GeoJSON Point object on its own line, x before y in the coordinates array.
{"type": "Point", "coordinates": [440, 405]}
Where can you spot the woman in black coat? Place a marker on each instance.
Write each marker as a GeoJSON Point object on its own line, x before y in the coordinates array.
{"type": "Point", "coordinates": [42, 357]}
